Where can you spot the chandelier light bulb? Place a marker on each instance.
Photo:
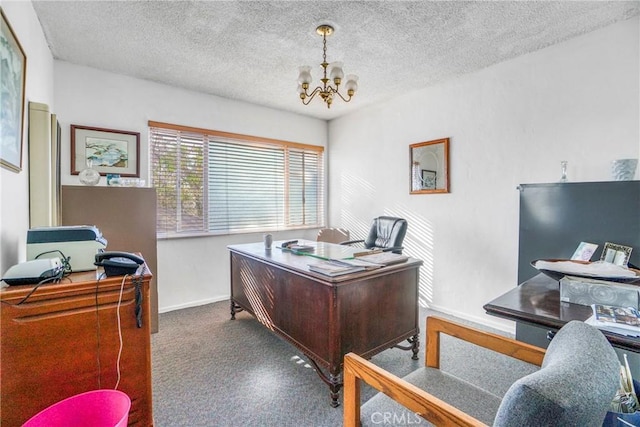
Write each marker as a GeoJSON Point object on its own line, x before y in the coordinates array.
{"type": "Point", "coordinates": [305, 75]}
{"type": "Point", "coordinates": [351, 85]}
{"type": "Point", "coordinates": [336, 73]}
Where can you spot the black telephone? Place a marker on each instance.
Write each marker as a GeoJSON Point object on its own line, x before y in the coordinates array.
{"type": "Point", "coordinates": [288, 244]}
{"type": "Point", "coordinates": [118, 263]}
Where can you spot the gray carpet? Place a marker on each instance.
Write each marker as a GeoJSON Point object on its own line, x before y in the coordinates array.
{"type": "Point", "coordinates": [209, 370]}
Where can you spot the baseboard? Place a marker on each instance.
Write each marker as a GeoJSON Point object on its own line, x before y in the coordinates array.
{"type": "Point", "coordinates": [192, 304]}
{"type": "Point", "coordinates": [486, 321]}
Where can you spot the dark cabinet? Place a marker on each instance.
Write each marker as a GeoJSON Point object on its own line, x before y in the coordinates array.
{"type": "Point", "coordinates": [126, 216]}
{"type": "Point", "coordinates": [555, 218]}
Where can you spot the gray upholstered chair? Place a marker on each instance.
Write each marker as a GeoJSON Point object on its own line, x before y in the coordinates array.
{"type": "Point", "coordinates": [575, 385]}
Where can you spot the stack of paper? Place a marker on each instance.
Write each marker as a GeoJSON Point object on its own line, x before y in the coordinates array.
{"type": "Point", "coordinates": [335, 268]}
{"type": "Point", "coordinates": [384, 258]}
{"type": "Point", "coordinates": [619, 320]}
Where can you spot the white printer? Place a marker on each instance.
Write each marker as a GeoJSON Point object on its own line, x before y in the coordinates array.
{"type": "Point", "coordinates": [79, 243]}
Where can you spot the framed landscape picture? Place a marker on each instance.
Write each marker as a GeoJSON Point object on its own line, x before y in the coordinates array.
{"type": "Point", "coordinates": [12, 81]}
{"type": "Point", "coordinates": [108, 151]}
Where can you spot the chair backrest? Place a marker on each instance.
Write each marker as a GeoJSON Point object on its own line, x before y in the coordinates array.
{"type": "Point", "coordinates": [574, 387]}
{"type": "Point", "coordinates": [332, 235]}
{"type": "Point", "coordinates": [386, 232]}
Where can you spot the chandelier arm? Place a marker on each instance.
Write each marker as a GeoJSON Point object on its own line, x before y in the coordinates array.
{"type": "Point", "coordinates": [335, 90]}
{"type": "Point", "coordinates": [343, 98]}
{"type": "Point", "coordinates": [310, 96]}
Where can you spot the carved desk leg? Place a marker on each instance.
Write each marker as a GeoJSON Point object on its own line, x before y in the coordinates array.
{"type": "Point", "coordinates": [235, 308]}
{"type": "Point", "coordinates": [414, 347]}
{"type": "Point", "coordinates": [415, 344]}
{"type": "Point", "coordinates": [334, 381]}
{"type": "Point", "coordinates": [335, 384]}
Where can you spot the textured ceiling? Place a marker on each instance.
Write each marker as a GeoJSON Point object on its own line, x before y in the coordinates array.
{"type": "Point", "coordinates": [251, 50]}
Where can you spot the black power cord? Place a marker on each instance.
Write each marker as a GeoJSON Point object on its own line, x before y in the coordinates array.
{"type": "Point", "coordinates": [65, 271]}
{"type": "Point", "coordinates": [54, 279]}
{"type": "Point", "coordinates": [66, 261]}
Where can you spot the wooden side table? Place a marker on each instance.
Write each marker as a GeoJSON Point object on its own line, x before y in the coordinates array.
{"type": "Point", "coordinates": [64, 339]}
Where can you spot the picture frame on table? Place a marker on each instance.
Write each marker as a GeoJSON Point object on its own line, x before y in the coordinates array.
{"type": "Point", "coordinates": [108, 151]}
{"type": "Point", "coordinates": [616, 254]}
{"type": "Point", "coordinates": [12, 90]}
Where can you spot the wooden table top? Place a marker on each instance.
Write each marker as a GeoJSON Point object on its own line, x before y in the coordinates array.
{"type": "Point", "coordinates": [70, 283]}
{"type": "Point", "coordinates": [299, 262]}
{"type": "Point", "coordinates": [537, 302]}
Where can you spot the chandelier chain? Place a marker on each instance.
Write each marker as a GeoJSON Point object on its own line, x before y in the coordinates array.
{"type": "Point", "coordinates": [324, 63]}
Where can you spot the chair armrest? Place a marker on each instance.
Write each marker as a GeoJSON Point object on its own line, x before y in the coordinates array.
{"type": "Point", "coordinates": [498, 343]}
{"type": "Point", "coordinates": [395, 248]}
{"type": "Point", "coordinates": [415, 399]}
{"type": "Point", "coordinates": [350, 242]}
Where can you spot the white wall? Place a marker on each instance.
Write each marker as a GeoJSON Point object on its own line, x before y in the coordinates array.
{"type": "Point", "coordinates": [510, 123]}
{"type": "Point", "coordinates": [14, 196]}
{"type": "Point", "coordinates": [191, 271]}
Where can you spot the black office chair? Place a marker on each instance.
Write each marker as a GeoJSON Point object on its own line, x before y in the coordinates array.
{"type": "Point", "coordinates": [387, 233]}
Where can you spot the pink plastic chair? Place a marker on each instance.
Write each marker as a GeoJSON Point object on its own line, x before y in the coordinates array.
{"type": "Point", "coordinates": [98, 408]}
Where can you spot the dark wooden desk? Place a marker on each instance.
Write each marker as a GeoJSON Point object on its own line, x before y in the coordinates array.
{"type": "Point", "coordinates": [536, 302]}
{"type": "Point", "coordinates": [326, 317]}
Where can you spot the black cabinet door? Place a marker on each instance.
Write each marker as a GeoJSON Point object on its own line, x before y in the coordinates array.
{"type": "Point", "coordinates": [555, 218]}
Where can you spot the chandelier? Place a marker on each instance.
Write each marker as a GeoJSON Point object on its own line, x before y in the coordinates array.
{"type": "Point", "coordinates": [326, 90]}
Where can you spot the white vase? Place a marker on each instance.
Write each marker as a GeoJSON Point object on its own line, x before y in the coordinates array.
{"type": "Point", "coordinates": [89, 176]}
{"type": "Point", "coordinates": [623, 169]}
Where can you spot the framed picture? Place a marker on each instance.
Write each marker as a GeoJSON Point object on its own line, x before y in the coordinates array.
{"type": "Point", "coordinates": [616, 254]}
{"type": "Point", "coordinates": [12, 81]}
{"type": "Point", "coordinates": [428, 179]}
{"type": "Point", "coordinates": [108, 151]}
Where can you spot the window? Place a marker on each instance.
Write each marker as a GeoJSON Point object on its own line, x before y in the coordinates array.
{"type": "Point", "coordinates": [211, 182]}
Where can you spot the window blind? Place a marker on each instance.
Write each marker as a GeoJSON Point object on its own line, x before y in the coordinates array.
{"type": "Point", "coordinates": [246, 187]}
{"type": "Point", "coordinates": [220, 183]}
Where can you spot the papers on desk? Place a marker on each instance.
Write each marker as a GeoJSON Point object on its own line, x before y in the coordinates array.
{"type": "Point", "coordinates": [335, 267]}
{"type": "Point", "coordinates": [619, 320]}
{"type": "Point", "coordinates": [384, 258]}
